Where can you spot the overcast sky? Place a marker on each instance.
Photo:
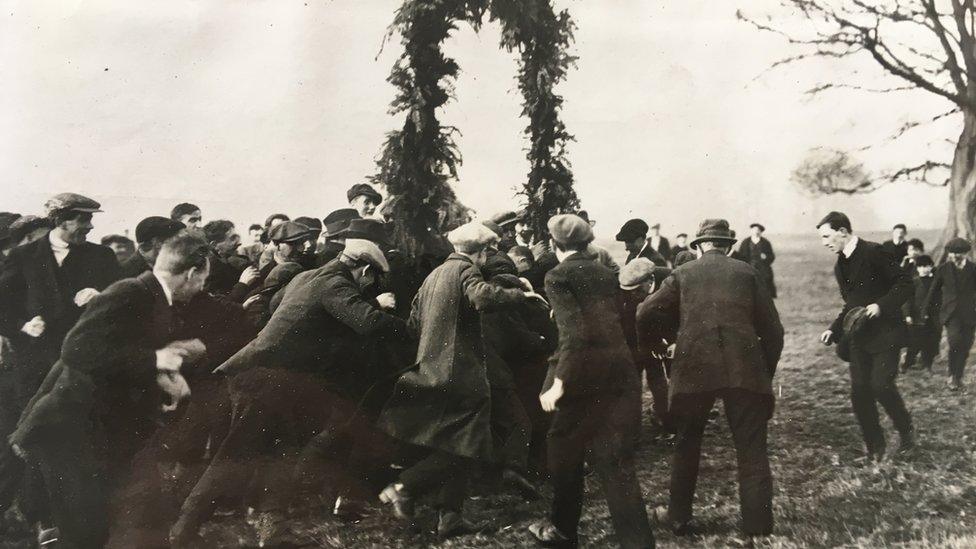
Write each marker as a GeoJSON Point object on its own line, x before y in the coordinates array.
{"type": "Point", "coordinates": [248, 108]}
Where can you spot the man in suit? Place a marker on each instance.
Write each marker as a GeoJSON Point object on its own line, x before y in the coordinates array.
{"type": "Point", "coordinates": [151, 232]}
{"type": "Point", "coordinates": [922, 317]}
{"type": "Point", "coordinates": [728, 345]}
{"type": "Point", "coordinates": [634, 236]}
{"type": "Point", "coordinates": [954, 286]}
{"type": "Point", "coordinates": [680, 245]}
{"type": "Point", "coordinates": [659, 243]}
{"type": "Point", "coordinates": [119, 368]}
{"type": "Point", "coordinates": [593, 392]}
{"type": "Point", "coordinates": [897, 247]}
{"type": "Point", "coordinates": [758, 252]}
{"type": "Point", "coordinates": [870, 277]}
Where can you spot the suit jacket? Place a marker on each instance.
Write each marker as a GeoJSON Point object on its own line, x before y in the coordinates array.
{"type": "Point", "coordinates": [898, 251]}
{"type": "Point", "coordinates": [104, 384]}
{"type": "Point", "coordinates": [650, 253]}
{"type": "Point", "coordinates": [33, 284]}
{"type": "Point", "coordinates": [592, 355]}
{"type": "Point", "coordinates": [322, 325]}
{"type": "Point", "coordinates": [729, 332]}
{"type": "Point", "coordinates": [874, 276]}
{"type": "Point", "coordinates": [955, 290]}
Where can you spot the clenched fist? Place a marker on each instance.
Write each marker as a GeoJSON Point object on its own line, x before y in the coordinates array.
{"type": "Point", "coordinates": [34, 327]}
{"type": "Point", "coordinates": [84, 296]}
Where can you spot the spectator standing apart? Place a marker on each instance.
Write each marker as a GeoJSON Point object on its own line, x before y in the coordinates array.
{"type": "Point", "coordinates": [659, 243]}
{"type": "Point", "coordinates": [728, 346]}
{"type": "Point", "coordinates": [874, 286]}
{"type": "Point", "coordinates": [680, 245]}
{"type": "Point", "coordinates": [758, 252]}
{"type": "Point", "coordinates": [897, 247]}
{"type": "Point", "coordinates": [923, 324]}
{"type": "Point", "coordinates": [954, 288]}
{"type": "Point", "coordinates": [593, 392]}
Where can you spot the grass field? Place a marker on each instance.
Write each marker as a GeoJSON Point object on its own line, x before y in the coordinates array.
{"type": "Point", "coordinates": [823, 496]}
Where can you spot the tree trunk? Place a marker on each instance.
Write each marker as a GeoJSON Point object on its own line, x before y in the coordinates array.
{"type": "Point", "coordinates": [961, 221]}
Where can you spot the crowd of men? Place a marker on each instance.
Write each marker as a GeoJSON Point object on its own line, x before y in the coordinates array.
{"type": "Point", "coordinates": [147, 385]}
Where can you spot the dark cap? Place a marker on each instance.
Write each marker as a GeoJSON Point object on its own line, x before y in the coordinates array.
{"type": "Point", "coordinates": [310, 222]}
{"type": "Point", "coordinates": [631, 230]}
{"type": "Point", "coordinates": [157, 227]}
{"type": "Point", "coordinates": [682, 235]}
{"type": "Point", "coordinates": [338, 220]}
{"type": "Point", "coordinates": [71, 202]}
{"type": "Point", "coordinates": [958, 246]}
{"type": "Point", "coordinates": [713, 230]}
{"type": "Point", "coordinates": [363, 189]}
{"type": "Point", "coordinates": [570, 229]}
{"type": "Point", "coordinates": [924, 261]}
{"type": "Point", "coordinates": [505, 218]}
{"type": "Point", "coordinates": [759, 226]}
{"type": "Point", "coordinates": [366, 229]}
{"type": "Point", "coordinates": [290, 231]}
{"type": "Point", "coordinates": [495, 227]}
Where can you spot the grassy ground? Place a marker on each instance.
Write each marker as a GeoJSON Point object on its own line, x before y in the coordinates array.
{"type": "Point", "coordinates": [823, 496]}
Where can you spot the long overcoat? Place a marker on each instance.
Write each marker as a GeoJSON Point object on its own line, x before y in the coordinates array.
{"type": "Point", "coordinates": [444, 403]}
{"type": "Point", "coordinates": [760, 255]}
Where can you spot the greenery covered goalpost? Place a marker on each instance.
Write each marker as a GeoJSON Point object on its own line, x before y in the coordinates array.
{"type": "Point", "coordinates": [419, 162]}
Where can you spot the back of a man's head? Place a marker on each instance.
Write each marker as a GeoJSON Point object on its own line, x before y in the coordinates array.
{"type": "Point", "coordinates": [216, 231]}
{"type": "Point", "coordinates": [181, 253]}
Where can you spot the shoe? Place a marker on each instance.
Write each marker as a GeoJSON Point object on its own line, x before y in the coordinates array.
{"type": "Point", "coordinates": [347, 509]}
{"type": "Point", "coordinates": [401, 502]}
{"type": "Point", "coordinates": [48, 537]}
{"type": "Point", "coordinates": [661, 515]}
{"type": "Point", "coordinates": [547, 535]}
{"type": "Point", "coordinates": [954, 384]}
{"type": "Point", "coordinates": [526, 489]}
{"type": "Point", "coordinates": [451, 524]}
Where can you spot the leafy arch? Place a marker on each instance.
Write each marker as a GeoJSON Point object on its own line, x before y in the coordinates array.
{"type": "Point", "coordinates": [419, 162]}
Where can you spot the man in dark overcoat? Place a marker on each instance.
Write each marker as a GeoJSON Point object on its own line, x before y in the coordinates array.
{"type": "Point", "coordinates": [119, 365]}
{"type": "Point", "coordinates": [44, 288]}
{"type": "Point", "coordinates": [954, 286]}
{"type": "Point", "coordinates": [870, 277]}
{"type": "Point", "coordinates": [758, 252]}
{"type": "Point", "coordinates": [728, 345]}
{"type": "Point", "coordinates": [897, 246]}
{"type": "Point", "coordinates": [444, 405]}
{"type": "Point", "coordinates": [593, 392]}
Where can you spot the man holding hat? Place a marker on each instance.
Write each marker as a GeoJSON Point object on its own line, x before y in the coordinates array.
{"type": "Point", "coordinates": [758, 252]}
{"type": "Point", "coordinates": [954, 287]}
{"type": "Point", "coordinates": [444, 405]}
{"type": "Point", "coordinates": [870, 277]}
{"type": "Point", "coordinates": [151, 232]}
{"type": "Point", "coordinates": [364, 199]}
{"type": "Point", "coordinates": [634, 236]}
{"type": "Point", "coordinates": [729, 341]}
{"type": "Point", "coordinates": [593, 393]}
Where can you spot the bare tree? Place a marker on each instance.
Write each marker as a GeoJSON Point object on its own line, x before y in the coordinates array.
{"type": "Point", "coordinates": [930, 46]}
{"type": "Point", "coordinates": [831, 172]}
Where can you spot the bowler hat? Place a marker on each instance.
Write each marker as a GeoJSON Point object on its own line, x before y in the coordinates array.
{"type": "Point", "coordinates": [569, 229]}
{"type": "Point", "coordinates": [713, 230]}
{"type": "Point", "coordinates": [631, 230]}
{"type": "Point", "coordinates": [363, 189]}
{"type": "Point", "coordinates": [290, 231]}
{"type": "Point", "coordinates": [71, 202]}
{"type": "Point", "coordinates": [958, 246]}
{"type": "Point", "coordinates": [157, 227]}
{"type": "Point", "coordinates": [339, 220]}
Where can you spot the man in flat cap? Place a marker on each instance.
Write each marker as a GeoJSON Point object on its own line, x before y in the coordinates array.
{"type": "Point", "coordinates": [151, 232]}
{"type": "Point", "coordinates": [444, 405]}
{"type": "Point", "coordinates": [870, 277]}
{"type": "Point", "coordinates": [314, 350]}
{"type": "Point", "coordinates": [593, 393]}
{"type": "Point", "coordinates": [634, 236]}
{"type": "Point", "coordinates": [729, 341]}
{"type": "Point", "coordinates": [954, 287]}
{"type": "Point", "coordinates": [758, 252]}
{"type": "Point", "coordinates": [507, 221]}
{"type": "Point", "coordinates": [364, 199]}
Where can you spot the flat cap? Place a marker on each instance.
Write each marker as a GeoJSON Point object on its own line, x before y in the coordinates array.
{"type": "Point", "coordinates": [339, 220]}
{"type": "Point", "coordinates": [635, 273]}
{"type": "Point", "coordinates": [290, 231]}
{"type": "Point", "coordinates": [631, 230]}
{"type": "Point", "coordinates": [958, 246]}
{"type": "Point", "coordinates": [505, 218]}
{"type": "Point", "coordinates": [759, 226]}
{"type": "Point", "coordinates": [71, 202]}
{"type": "Point", "coordinates": [471, 237]}
{"type": "Point", "coordinates": [366, 251]}
{"type": "Point", "coordinates": [157, 227]}
{"type": "Point", "coordinates": [310, 222]}
{"type": "Point", "coordinates": [495, 227]}
{"type": "Point", "coordinates": [363, 189]}
{"type": "Point", "coordinates": [570, 229]}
